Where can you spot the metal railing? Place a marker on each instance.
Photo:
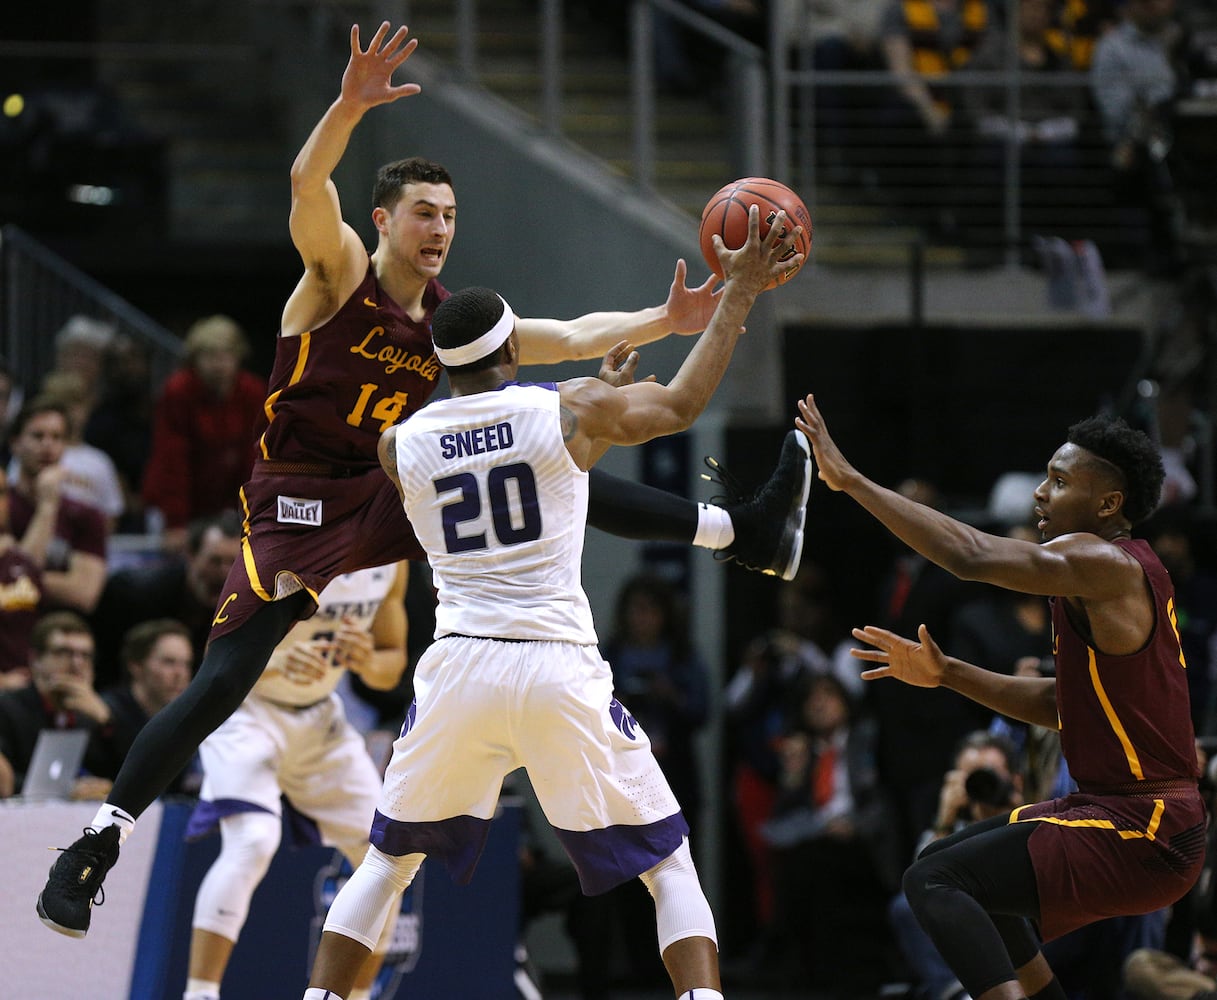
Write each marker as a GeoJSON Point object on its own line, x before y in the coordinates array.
{"type": "Point", "coordinates": [40, 292]}
{"type": "Point", "coordinates": [747, 71]}
{"type": "Point", "coordinates": [773, 131]}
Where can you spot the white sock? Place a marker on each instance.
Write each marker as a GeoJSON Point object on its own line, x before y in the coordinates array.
{"type": "Point", "coordinates": [109, 815]}
{"type": "Point", "coordinates": [317, 993]}
{"type": "Point", "coordinates": [702, 993]}
{"type": "Point", "coordinates": [714, 527]}
{"type": "Point", "coordinates": [201, 989]}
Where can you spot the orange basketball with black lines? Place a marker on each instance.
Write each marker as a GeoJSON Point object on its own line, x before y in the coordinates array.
{"type": "Point", "coordinates": [726, 213]}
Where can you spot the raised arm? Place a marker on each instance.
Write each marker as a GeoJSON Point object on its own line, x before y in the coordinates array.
{"type": "Point", "coordinates": [599, 415]}
{"type": "Point", "coordinates": [40, 532]}
{"type": "Point", "coordinates": [334, 256]}
{"type": "Point", "coordinates": [1078, 565]}
{"type": "Point", "coordinates": [687, 310]}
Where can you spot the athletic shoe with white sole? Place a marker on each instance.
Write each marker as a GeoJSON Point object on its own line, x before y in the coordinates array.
{"type": "Point", "coordinates": [66, 903]}
{"type": "Point", "coordinates": [769, 523]}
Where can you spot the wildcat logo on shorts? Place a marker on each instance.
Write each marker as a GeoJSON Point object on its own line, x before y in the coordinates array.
{"type": "Point", "coordinates": [406, 945]}
{"type": "Point", "coordinates": [623, 720]}
{"type": "Point", "coordinates": [294, 510]}
{"type": "Point", "coordinates": [411, 718]}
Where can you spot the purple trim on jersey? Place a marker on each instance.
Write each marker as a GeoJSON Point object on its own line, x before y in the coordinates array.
{"type": "Point", "coordinates": [456, 843]}
{"type": "Point", "coordinates": [606, 858]}
{"type": "Point", "coordinates": [303, 830]}
{"type": "Point", "coordinates": [206, 816]}
{"type": "Point", "coordinates": [551, 386]}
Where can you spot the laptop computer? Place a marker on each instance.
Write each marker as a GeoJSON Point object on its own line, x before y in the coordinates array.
{"type": "Point", "coordinates": [55, 765]}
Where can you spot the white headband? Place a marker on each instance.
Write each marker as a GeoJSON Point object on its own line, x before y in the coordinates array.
{"type": "Point", "coordinates": [475, 350]}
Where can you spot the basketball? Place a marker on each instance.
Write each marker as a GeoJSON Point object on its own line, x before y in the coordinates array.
{"type": "Point", "coordinates": [726, 213]}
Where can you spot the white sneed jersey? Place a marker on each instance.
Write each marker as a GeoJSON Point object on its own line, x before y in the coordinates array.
{"type": "Point", "coordinates": [355, 597]}
{"type": "Point", "coordinates": [500, 507]}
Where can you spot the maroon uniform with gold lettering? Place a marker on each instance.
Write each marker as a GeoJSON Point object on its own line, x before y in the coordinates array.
{"type": "Point", "coordinates": [318, 504]}
{"type": "Point", "coordinates": [20, 595]}
{"type": "Point", "coordinates": [1131, 840]}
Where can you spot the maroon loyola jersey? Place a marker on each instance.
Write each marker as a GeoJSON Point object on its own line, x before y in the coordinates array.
{"type": "Point", "coordinates": [334, 389]}
{"type": "Point", "coordinates": [1125, 718]}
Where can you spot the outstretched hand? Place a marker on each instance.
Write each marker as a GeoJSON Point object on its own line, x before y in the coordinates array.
{"type": "Point", "coordinates": [920, 664]}
{"type": "Point", "coordinates": [689, 310]}
{"type": "Point", "coordinates": [619, 365]}
{"type": "Point", "coordinates": [368, 79]}
{"type": "Point", "coordinates": [760, 261]}
{"type": "Point", "coordinates": [832, 467]}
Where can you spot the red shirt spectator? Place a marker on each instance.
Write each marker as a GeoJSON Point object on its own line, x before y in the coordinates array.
{"type": "Point", "coordinates": [203, 430]}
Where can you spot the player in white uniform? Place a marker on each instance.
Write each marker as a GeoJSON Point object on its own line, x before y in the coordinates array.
{"type": "Point", "coordinates": [290, 737]}
{"type": "Point", "coordinates": [494, 481]}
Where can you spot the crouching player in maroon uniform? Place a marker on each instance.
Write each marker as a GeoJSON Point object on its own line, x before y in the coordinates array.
{"type": "Point", "coordinates": [1131, 840]}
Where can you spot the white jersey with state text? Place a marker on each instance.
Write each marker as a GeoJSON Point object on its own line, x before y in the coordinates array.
{"type": "Point", "coordinates": [354, 597]}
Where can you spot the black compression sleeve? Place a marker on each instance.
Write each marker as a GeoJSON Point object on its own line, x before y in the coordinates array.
{"type": "Point", "coordinates": [643, 513]}
{"type": "Point", "coordinates": [231, 667]}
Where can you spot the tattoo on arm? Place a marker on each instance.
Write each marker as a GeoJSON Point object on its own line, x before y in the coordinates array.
{"type": "Point", "coordinates": [570, 423]}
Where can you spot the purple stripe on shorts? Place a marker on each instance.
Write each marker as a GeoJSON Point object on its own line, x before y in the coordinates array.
{"type": "Point", "coordinates": [302, 830]}
{"type": "Point", "coordinates": [606, 858]}
{"type": "Point", "coordinates": [206, 816]}
{"type": "Point", "coordinates": [456, 843]}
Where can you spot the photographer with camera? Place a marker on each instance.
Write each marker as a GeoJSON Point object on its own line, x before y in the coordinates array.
{"type": "Point", "coordinates": [983, 782]}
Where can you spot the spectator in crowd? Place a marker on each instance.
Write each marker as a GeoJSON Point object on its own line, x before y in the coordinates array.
{"type": "Point", "coordinates": [1044, 769]}
{"type": "Point", "coordinates": [808, 618]}
{"type": "Point", "coordinates": [75, 567]}
{"type": "Point", "coordinates": [158, 661]}
{"type": "Point", "coordinates": [89, 475]}
{"type": "Point", "coordinates": [60, 695]}
{"type": "Point", "coordinates": [922, 42]}
{"type": "Point", "coordinates": [10, 403]}
{"type": "Point", "coordinates": [186, 589]}
{"type": "Point", "coordinates": [757, 701]}
{"type": "Point", "coordinates": [806, 638]}
{"type": "Point", "coordinates": [1078, 24]}
{"type": "Point", "coordinates": [204, 429]}
{"type": "Point", "coordinates": [1134, 83]}
{"type": "Point", "coordinates": [20, 587]}
{"type": "Point", "coordinates": [661, 679]}
{"type": "Point", "coordinates": [831, 36]}
{"type": "Point", "coordinates": [80, 347]}
{"type": "Point", "coordinates": [918, 732]}
{"type": "Point", "coordinates": [1048, 123]}
{"type": "Point", "coordinates": [1001, 629]}
{"type": "Point", "coordinates": [1152, 974]}
{"type": "Point", "coordinates": [982, 782]}
{"type": "Point", "coordinates": [1012, 634]}
{"type": "Point", "coordinates": [121, 422]}
{"type": "Point", "coordinates": [836, 857]}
